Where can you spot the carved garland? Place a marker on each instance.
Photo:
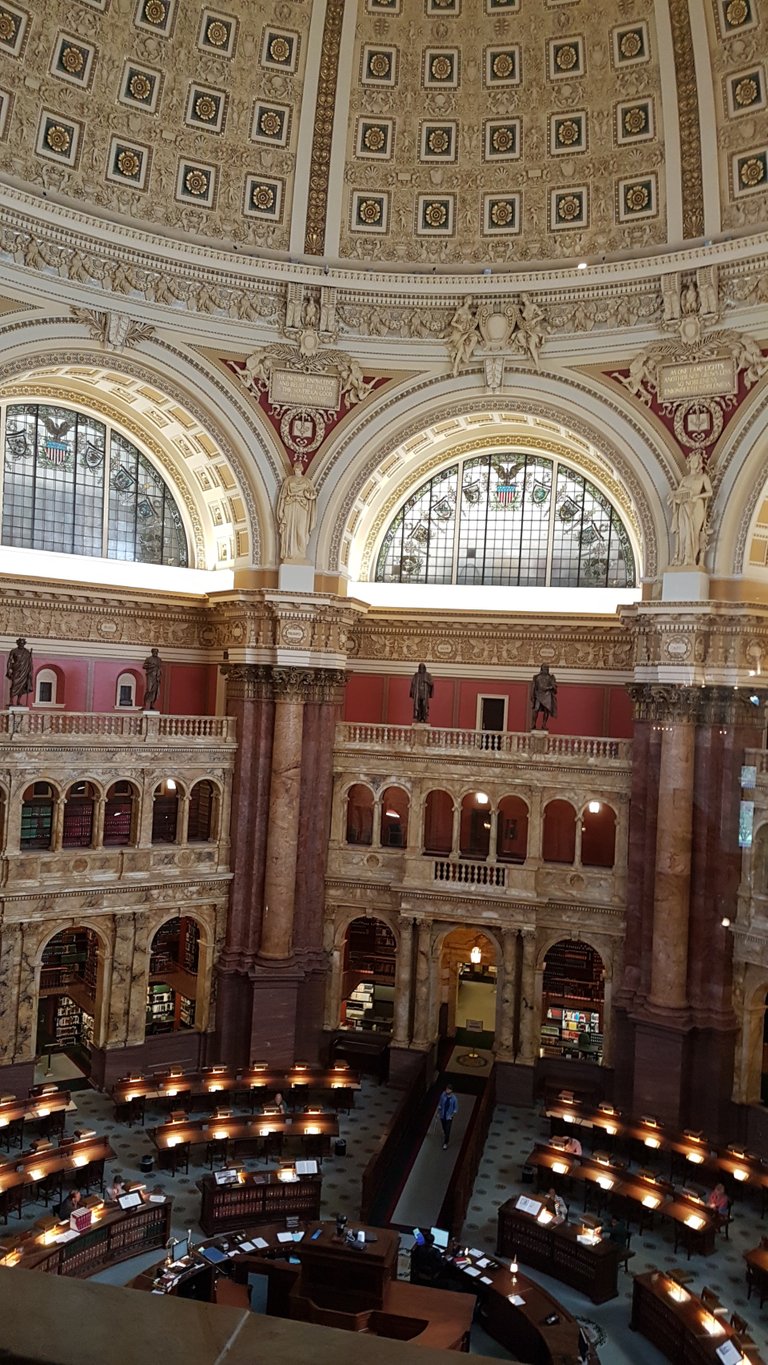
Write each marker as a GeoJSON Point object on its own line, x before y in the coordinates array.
{"type": "Point", "coordinates": [688, 112]}
{"type": "Point", "coordinates": [325, 109]}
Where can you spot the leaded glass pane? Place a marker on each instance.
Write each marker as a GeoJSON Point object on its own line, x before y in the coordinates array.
{"type": "Point", "coordinates": [511, 531]}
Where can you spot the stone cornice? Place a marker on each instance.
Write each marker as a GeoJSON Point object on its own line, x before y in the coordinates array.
{"type": "Point", "coordinates": [267, 682]}
{"type": "Point", "coordinates": [498, 909]}
{"type": "Point", "coordinates": [676, 704]}
{"type": "Point", "coordinates": [204, 886]}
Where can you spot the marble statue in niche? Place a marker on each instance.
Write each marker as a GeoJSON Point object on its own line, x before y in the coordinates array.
{"type": "Point", "coordinates": [690, 509]}
{"type": "Point", "coordinates": [296, 514]}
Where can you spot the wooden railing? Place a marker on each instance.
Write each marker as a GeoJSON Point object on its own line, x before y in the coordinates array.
{"type": "Point", "coordinates": [145, 726]}
{"type": "Point", "coordinates": [529, 744]}
{"type": "Point", "coordinates": [383, 1159]}
{"type": "Point", "coordinates": [459, 1192]}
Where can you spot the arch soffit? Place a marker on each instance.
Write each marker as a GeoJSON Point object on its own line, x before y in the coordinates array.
{"type": "Point", "coordinates": [203, 916]}
{"type": "Point", "coordinates": [48, 931]}
{"type": "Point", "coordinates": [740, 481]}
{"type": "Point", "coordinates": [603, 946]}
{"type": "Point", "coordinates": [602, 436]}
{"type": "Point", "coordinates": [95, 782]}
{"type": "Point", "coordinates": [346, 916]}
{"type": "Point", "coordinates": [186, 399]}
{"type": "Point", "coordinates": [442, 933]}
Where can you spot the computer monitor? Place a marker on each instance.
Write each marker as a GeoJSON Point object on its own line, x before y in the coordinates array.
{"type": "Point", "coordinates": [181, 1249]}
{"type": "Point", "coordinates": [440, 1237]}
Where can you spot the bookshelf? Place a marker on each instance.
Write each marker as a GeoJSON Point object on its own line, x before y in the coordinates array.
{"type": "Point", "coordinates": [573, 1002]}
{"type": "Point", "coordinates": [173, 964]}
{"type": "Point", "coordinates": [115, 1237]}
{"type": "Point", "coordinates": [261, 1199]}
{"type": "Point", "coordinates": [371, 951]}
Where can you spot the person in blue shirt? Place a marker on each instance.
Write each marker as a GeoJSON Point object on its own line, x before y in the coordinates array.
{"type": "Point", "coordinates": [447, 1106]}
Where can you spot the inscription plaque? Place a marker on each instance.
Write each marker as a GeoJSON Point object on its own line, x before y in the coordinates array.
{"type": "Point", "coordinates": [697, 379]}
{"type": "Point", "coordinates": [287, 387]}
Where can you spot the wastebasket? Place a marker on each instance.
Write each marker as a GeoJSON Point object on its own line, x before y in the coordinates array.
{"type": "Point", "coordinates": [147, 1165]}
{"type": "Point", "coordinates": [340, 1147]}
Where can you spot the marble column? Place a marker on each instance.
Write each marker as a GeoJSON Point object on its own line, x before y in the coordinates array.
{"type": "Point", "coordinates": [333, 989]}
{"type": "Point", "coordinates": [671, 902]}
{"type": "Point", "coordinates": [403, 979]}
{"type": "Point", "coordinates": [528, 1041]}
{"type": "Point", "coordinates": [422, 1024]}
{"type": "Point", "coordinates": [492, 837]}
{"type": "Point", "coordinates": [505, 999]}
{"type": "Point", "coordinates": [10, 969]}
{"type": "Point", "coordinates": [283, 835]}
{"type": "Point", "coordinates": [146, 809]}
{"type": "Point", "coordinates": [577, 843]}
{"type": "Point", "coordinates": [533, 850]}
{"type": "Point", "coordinates": [182, 819]}
{"type": "Point", "coordinates": [456, 831]}
{"type": "Point", "coordinates": [97, 831]}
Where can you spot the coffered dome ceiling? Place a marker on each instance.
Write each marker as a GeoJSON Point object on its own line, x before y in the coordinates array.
{"type": "Point", "coordinates": [400, 132]}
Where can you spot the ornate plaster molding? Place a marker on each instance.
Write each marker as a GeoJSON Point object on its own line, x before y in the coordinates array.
{"type": "Point", "coordinates": [269, 682]}
{"type": "Point", "coordinates": [666, 704]}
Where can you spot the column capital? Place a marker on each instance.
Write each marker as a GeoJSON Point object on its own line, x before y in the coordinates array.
{"type": "Point", "coordinates": [269, 682]}
{"type": "Point", "coordinates": [680, 704]}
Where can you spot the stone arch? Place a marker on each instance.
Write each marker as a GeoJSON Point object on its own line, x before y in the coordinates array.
{"type": "Point", "coordinates": [608, 439]}
{"type": "Point", "coordinates": [42, 934]}
{"type": "Point", "coordinates": [751, 981]}
{"type": "Point", "coordinates": [740, 482]}
{"type": "Point", "coordinates": [185, 383]}
{"type": "Point", "coordinates": [605, 948]}
{"type": "Point", "coordinates": [205, 918]}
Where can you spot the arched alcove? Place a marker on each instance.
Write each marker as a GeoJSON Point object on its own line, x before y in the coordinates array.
{"type": "Point", "coordinates": [598, 835]}
{"type": "Point", "coordinates": [79, 810]}
{"type": "Point", "coordinates": [368, 976]}
{"type": "Point", "coordinates": [165, 812]}
{"type": "Point", "coordinates": [468, 987]}
{"type": "Point", "coordinates": [69, 998]}
{"type": "Point", "coordinates": [121, 814]}
{"type": "Point", "coordinates": [395, 806]}
{"type": "Point", "coordinates": [203, 812]}
{"type": "Point", "coordinates": [359, 814]}
{"type": "Point", "coordinates": [438, 822]}
{"type": "Point", "coordinates": [558, 844]}
{"type": "Point", "coordinates": [475, 829]}
{"type": "Point", "coordinates": [37, 816]}
{"type": "Point", "coordinates": [174, 960]}
{"type": "Point", "coordinates": [512, 830]}
{"type": "Point", "coordinates": [573, 998]}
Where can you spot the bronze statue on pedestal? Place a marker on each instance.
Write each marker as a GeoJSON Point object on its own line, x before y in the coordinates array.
{"type": "Point", "coordinates": [19, 672]}
{"type": "Point", "coordinates": [422, 688]}
{"type": "Point", "coordinates": [543, 697]}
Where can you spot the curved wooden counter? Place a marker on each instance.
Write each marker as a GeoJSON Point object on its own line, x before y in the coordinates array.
{"type": "Point", "coordinates": [115, 1235]}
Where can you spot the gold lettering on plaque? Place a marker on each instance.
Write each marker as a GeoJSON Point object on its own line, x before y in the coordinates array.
{"type": "Point", "coordinates": [697, 379]}
{"type": "Point", "coordinates": [295, 389]}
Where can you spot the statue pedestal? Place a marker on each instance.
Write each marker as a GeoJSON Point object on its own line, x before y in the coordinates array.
{"type": "Point", "coordinates": [685, 585]}
{"type": "Point", "coordinates": [296, 578]}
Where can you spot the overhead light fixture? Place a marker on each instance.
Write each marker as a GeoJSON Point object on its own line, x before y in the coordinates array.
{"type": "Point", "coordinates": [476, 955]}
{"type": "Point", "coordinates": [392, 814]}
{"type": "Point", "coordinates": [582, 265]}
{"type": "Point", "coordinates": [594, 807]}
{"type": "Point", "coordinates": [726, 923]}
{"type": "Point", "coordinates": [170, 784]}
{"type": "Point", "coordinates": [481, 798]}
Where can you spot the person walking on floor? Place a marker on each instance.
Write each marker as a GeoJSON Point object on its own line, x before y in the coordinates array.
{"type": "Point", "coordinates": [447, 1107]}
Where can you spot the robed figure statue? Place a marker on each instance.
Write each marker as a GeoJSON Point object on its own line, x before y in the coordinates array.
{"type": "Point", "coordinates": [153, 672]}
{"type": "Point", "coordinates": [543, 697]}
{"type": "Point", "coordinates": [422, 688]}
{"type": "Point", "coordinates": [19, 672]}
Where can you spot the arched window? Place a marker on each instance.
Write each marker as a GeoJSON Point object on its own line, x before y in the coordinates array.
{"type": "Point", "coordinates": [558, 843]}
{"type": "Point", "coordinates": [46, 687]}
{"type": "Point", "coordinates": [508, 518]}
{"type": "Point", "coordinates": [119, 815]}
{"type": "Point", "coordinates": [598, 835]}
{"type": "Point", "coordinates": [200, 828]}
{"type": "Point", "coordinates": [75, 485]}
{"type": "Point", "coordinates": [125, 690]}
{"type": "Point", "coordinates": [512, 830]}
{"type": "Point", "coordinates": [394, 818]}
{"type": "Point", "coordinates": [359, 814]}
{"type": "Point", "coordinates": [438, 822]}
{"type": "Point", "coordinates": [37, 807]}
{"type": "Point", "coordinates": [79, 802]}
{"type": "Point", "coordinates": [165, 812]}
{"type": "Point", "coordinates": [475, 839]}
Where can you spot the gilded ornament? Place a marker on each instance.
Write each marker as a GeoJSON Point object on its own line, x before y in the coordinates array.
{"type": "Point", "coordinates": [140, 86]}
{"type": "Point", "coordinates": [206, 107]}
{"type": "Point", "coordinates": [374, 139]}
{"type": "Point", "coordinates": [217, 33]}
{"type": "Point", "coordinates": [635, 120]}
{"type": "Point", "coordinates": [631, 44]}
{"type": "Point", "coordinates": [271, 123]}
{"type": "Point", "coordinates": [636, 198]}
{"type": "Point", "coordinates": [503, 140]}
{"type": "Point", "coordinates": [503, 66]}
{"type": "Point", "coordinates": [58, 138]}
{"type": "Point", "coordinates": [325, 106]}
{"type": "Point", "coordinates": [746, 92]}
{"type": "Point", "coordinates": [128, 164]}
{"type": "Point", "coordinates": [263, 197]}
{"type": "Point", "coordinates": [438, 141]}
{"type": "Point", "coordinates": [569, 207]}
{"type": "Point", "coordinates": [441, 67]}
{"type": "Point", "coordinates": [502, 213]}
{"type": "Point", "coordinates": [369, 211]}
{"type": "Point", "coordinates": [568, 132]}
{"type": "Point", "coordinates": [72, 60]}
{"type": "Point", "coordinates": [8, 27]}
{"type": "Point", "coordinates": [436, 214]}
{"type": "Point", "coordinates": [155, 11]}
{"type": "Point", "coordinates": [567, 57]}
{"type": "Point", "coordinates": [752, 171]}
{"type": "Point", "coordinates": [280, 49]}
{"type": "Point", "coordinates": [379, 65]}
{"type": "Point", "coordinates": [736, 12]}
{"type": "Point", "coordinates": [196, 182]}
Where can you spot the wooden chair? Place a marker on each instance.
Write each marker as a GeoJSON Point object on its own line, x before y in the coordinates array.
{"type": "Point", "coordinates": [178, 1158]}
{"type": "Point", "coordinates": [217, 1150]}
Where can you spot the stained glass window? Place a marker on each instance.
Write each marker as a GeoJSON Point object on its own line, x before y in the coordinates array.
{"type": "Point", "coordinates": [74, 485]}
{"type": "Point", "coordinates": [509, 519]}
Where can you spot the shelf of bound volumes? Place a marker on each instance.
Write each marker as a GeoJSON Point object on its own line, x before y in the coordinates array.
{"type": "Point", "coordinates": [237, 1199]}
{"type": "Point", "coordinates": [111, 1235]}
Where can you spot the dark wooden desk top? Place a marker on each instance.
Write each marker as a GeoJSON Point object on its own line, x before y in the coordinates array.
{"type": "Point", "coordinates": [241, 1129]}
{"type": "Point", "coordinates": [678, 1324]}
{"type": "Point", "coordinates": [32, 1250]}
{"type": "Point", "coordinates": [757, 1257]}
{"type": "Point", "coordinates": [34, 1107]}
{"type": "Point", "coordinates": [224, 1081]}
{"type": "Point", "coordinates": [31, 1167]}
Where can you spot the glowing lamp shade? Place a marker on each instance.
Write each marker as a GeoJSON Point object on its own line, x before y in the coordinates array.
{"type": "Point", "coordinates": [475, 955]}
{"type": "Point", "coordinates": [650, 1201]}
{"type": "Point", "coordinates": [560, 1167]}
{"type": "Point", "coordinates": [37, 1173]}
{"type": "Point", "coordinates": [481, 798]}
{"type": "Point", "coordinates": [513, 1267]}
{"type": "Point", "coordinates": [173, 1140]}
{"type": "Point", "coordinates": [594, 807]}
{"type": "Point", "coordinates": [610, 1128]}
{"type": "Point", "coordinates": [287, 1174]}
{"type": "Point", "coordinates": [170, 785]}
{"type": "Point", "coordinates": [569, 1118]}
{"type": "Point", "coordinates": [131, 1096]}
{"type": "Point", "coordinates": [740, 1174]}
{"type": "Point", "coordinates": [220, 1134]}
{"type": "Point", "coordinates": [313, 1129]}
{"type": "Point", "coordinates": [212, 1088]}
{"type": "Point", "coordinates": [545, 1217]}
{"type": "Point", "coordinates": [172, 1091]}
{"type": "Point", "coordinates": [3, 1123]}
{"type": "Point", "coordinates": [341, 1066]}
{"type": "Point", "coordinates": [696, 1157]}
{"type": "Point", "coordinates": [652, 1142]}
{"type": "Point", "coordinates": [43, 1111]}
{"type": "Point", "coordinates": [81, 1160]}
{"type": "Point", "coordinates": [605, 1182]}
{"type": "Point", "coordinates": [264, 1132]}
{"type": "Point", "coordinates": [677, 1293]}
{"type": "Point", "coordinates": [694, 1221]}
{"type": "Point", "coordinates": [712, 1325]}
{"type": "Point", "coordinates": [392, 814]}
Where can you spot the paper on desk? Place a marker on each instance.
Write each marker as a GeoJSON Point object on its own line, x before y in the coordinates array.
{"type": "Point", "coordinates": [260, 1243]}
{"type": "Point", "coordinates": [470, 1270]}
{"type": "Point", "coordinates": [247, 1246]}
{"type": "Point", "coordinates": [473, 1251]}
{"type": "Point", "coordinates": [486, 1279]}
{"type": "Point", "coordinates": [516, 1299]}
{"type": "Point", "coordinates": [285, 1236]}
{"type": "Point", "coordinates": [483, 1262]}
{"type": "Point", "coordinates": [67, 1236]}
{"type": "Point", "coordinates": [297, 1236]}
{"type": "Point", "coordinates": [157, 1199]}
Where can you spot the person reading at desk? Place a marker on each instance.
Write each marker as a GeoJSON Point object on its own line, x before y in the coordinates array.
{"type": "Point", "coordinates": [279, 1103]}
{"type": "Point", "coordinates": [117, 1189]}
{"type": "Point", "coordinates": [573, 1146]}
{"type": "Point", "coordinates": [73, 1201]}
{"type": "Point", "coordinates": [618, 1232]}
{"type": "Point", "coordinates": [718, 1200]}
{"type": "Point", "coordinates": [557, 1205]}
